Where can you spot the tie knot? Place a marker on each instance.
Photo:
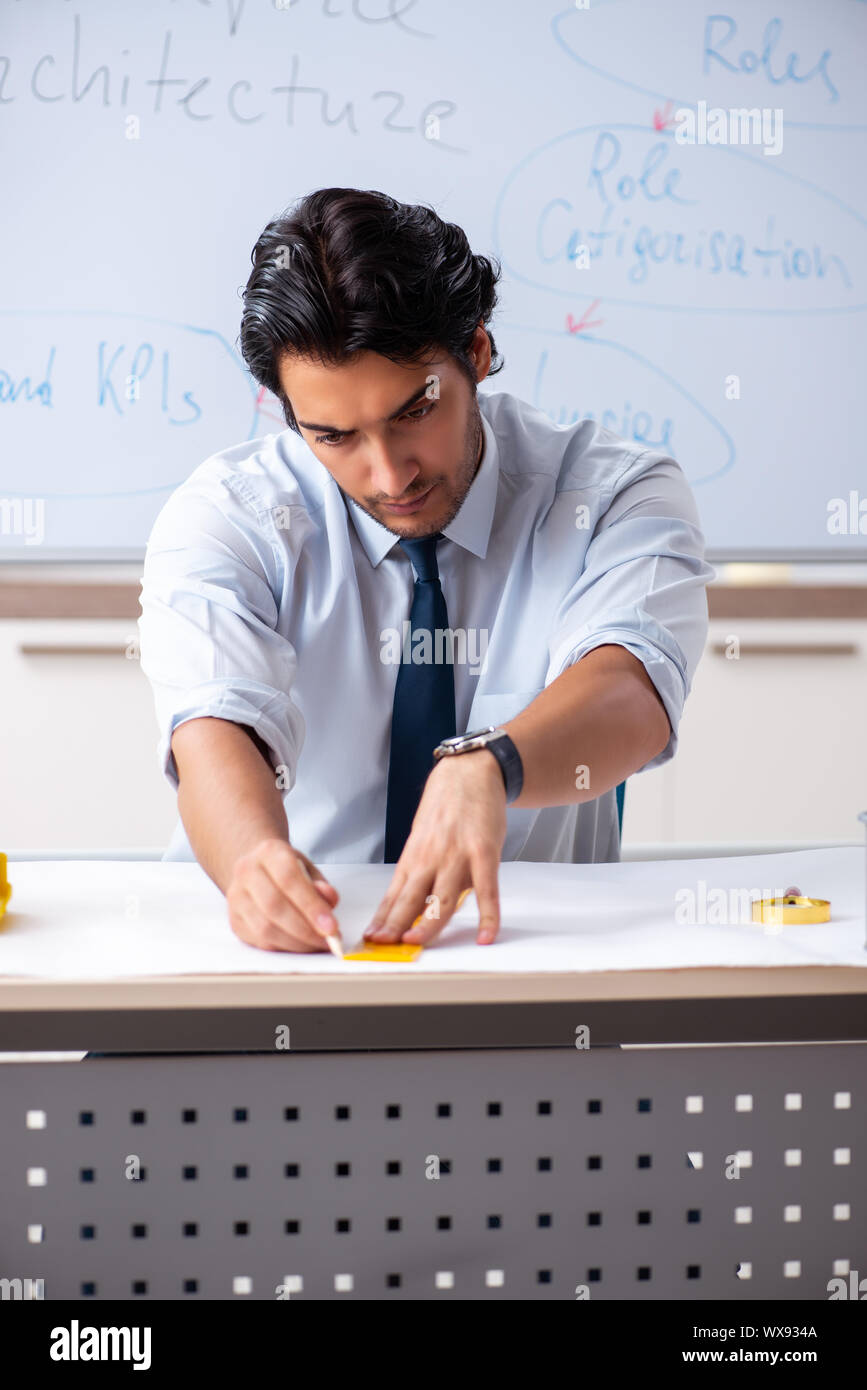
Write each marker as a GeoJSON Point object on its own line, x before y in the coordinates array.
{"type": "Point", "coordinates": [423, 555]}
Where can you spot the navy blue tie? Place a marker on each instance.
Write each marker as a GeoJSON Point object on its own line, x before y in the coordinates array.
{"type": "Point", "coordinates": [424, 698]}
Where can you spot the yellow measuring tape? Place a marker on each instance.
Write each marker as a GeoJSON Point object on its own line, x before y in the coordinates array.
{"type": "Point", "coordinates": [792, 910]}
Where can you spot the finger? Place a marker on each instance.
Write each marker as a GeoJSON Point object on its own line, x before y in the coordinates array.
{"type": "Point", "coordinates": [283, 905]}
{"type": "Point", "coordinates": [485, 873]}
{"type": "Point", "coordinates": [253, 928]}
{"type": "Point", "coordinates": [395, 888]}
{"type": "Point", "coordinates": [405, 907]}
{"type": "Point", "coordinates": [291, 879]}
{"type": "Point", "coordinates": [444, 902]}
{"type": "Point", "coordinates": [320, 882]}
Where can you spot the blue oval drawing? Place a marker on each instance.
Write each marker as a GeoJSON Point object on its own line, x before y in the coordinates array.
{"type": "Point", "coordinates": [535, 225]}
{"type": "Point", "coordinates": [720, 44]}
{"type": "Point", "coordinates": [726, 446]}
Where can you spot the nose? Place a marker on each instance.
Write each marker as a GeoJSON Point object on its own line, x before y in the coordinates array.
{"type": "Point", "coordinates": [389, 473]}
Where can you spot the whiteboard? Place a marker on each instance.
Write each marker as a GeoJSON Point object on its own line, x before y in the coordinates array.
{"type": "Point", "coordinates": [706, 298]}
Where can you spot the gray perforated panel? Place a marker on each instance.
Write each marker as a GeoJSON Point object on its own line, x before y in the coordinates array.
{"type": "Point", "coordinates": [557, 1169]}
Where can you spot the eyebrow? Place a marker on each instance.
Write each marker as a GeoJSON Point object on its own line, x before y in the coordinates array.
{"type": "Point", "coordinates": [332, 429]}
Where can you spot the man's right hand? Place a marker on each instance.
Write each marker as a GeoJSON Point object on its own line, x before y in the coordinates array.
{"type": "Point", "coordinates": [279, 901]}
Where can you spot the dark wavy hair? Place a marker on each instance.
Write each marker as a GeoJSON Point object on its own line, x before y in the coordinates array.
{"type": "Point", "coordinates": [350, 270]}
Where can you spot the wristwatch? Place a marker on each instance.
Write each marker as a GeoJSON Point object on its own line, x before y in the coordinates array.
{"type": "Point", "coordinates": [497, 741]}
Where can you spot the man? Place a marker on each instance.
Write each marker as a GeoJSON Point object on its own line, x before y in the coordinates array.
{"type": "Point", "coordinates": [324, 608]}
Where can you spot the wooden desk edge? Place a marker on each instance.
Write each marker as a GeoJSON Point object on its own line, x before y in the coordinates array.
{"type": "Point", "coordinates": [18, 994]}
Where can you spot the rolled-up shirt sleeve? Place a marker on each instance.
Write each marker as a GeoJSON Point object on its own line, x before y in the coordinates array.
{"type": "Point", "coordinates": [643, 585]}
{"type": "Point", "coordinates": [208, 628]}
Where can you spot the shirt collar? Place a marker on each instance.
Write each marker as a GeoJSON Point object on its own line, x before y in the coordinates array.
{"type": "Point", "coordinates": [471, 527]}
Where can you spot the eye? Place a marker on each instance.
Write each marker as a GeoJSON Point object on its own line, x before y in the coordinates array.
{"type": "Point", "coordinates": [331, 440]}
{"type": "Point", "coordinates": [420, 412]}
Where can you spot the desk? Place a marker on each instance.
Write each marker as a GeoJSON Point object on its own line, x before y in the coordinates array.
{"type": "Point", "coordinates": [437, 1135]}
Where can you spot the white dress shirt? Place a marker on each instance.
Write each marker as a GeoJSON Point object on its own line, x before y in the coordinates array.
{"type": "Point", "coordinates": [270, 600]}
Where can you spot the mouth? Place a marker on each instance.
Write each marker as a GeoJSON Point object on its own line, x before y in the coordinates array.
{"type": "Point", "coordinates": [406, 508]}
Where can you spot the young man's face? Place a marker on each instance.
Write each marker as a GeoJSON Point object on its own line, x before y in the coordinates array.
{"type": "Point", "coordinates": [405, 449]}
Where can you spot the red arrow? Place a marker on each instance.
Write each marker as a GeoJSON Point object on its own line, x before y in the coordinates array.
{"type": "Point", "coordinates": [585, 321]}
{"type": "Point", "coordinates": [271, 416]}
{"type": "Point", "coordinates": [662, 118]}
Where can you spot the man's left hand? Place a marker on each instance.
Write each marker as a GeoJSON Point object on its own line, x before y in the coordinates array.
{"type": "Point", "coordinates": [455, 843]}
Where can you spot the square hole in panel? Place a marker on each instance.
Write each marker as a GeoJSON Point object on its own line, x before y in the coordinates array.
{"type": "Point", "coordinates": [644, 1105]}
{"type": "Point", "coordinates": [544, 1107]}
{"type": "Point", "coordinates": [445, 1166]}
{"type": "Point", "coordinates": [392, 1281]}
{"type": "Point", "coordinates": [444, 1279]}
{"type": "Point", "coordinates": [292, 1227]}
{"type": "Point", "coordinates": [138, 1231]}
{"type": "Point", "coordinates": [543, 1276]}
{"type": "Point", "coordinates": [240, 1115]}
{"type": "Point", "coordinates": [86, 1117]}
{"type": "Point", "coordinates": [190, 1228]}
{"type": "Point", "coordinates": [793, 1100]}
{"type": "Point", "coordinates": [694, 1105]}
{"type": "Point", "coordinates": [791, 1269]}
{"type": "Point", "coordinates": [343, 1283]}
{"type": "Point", "coordinates": [291, 1170]}
{"type": "Point", "coordinates": [842, 1100]}
{"type": "Point", "coordinates": [37, 1177]}
{"type": "Point", "coordinates": [189, 1172]}
{"type": "Point", "coordinates": [792, 1158]}
{"type": "Point", "coordinates": [241, 1228]}
{"type": "Point", "coordinates": [743, 1216]}
{"type": "Point", "coordinates": [290, 1113]}
{"type": "Point", "coordinates": [543, 1218]}
{"type": "Point", "coordinates": [242, 1284]}
{"type": "Point", "coordinates": [840, 1267]}
{"type": "Point", "coordinates": [444, 1223]}
{"type": "Point", "coordinates": [744, 1102]}
{"type": "Point", "coordinates": [341, 1112]}
{"type": "Point", "coordinates": [392, 1112]}
{"type": "Point", "coordinates": [35, 1119]}
{"type": "Point", "coordinates": [744, 1158]}
{"type": "Point", "coordinates": [643, 1218]}
{"type": "Point", "coordinates": [88, 1289]}
{"type": "Point", "coordinates": [87, 1233]}
{"type": "Point", "coordinates": [393, 1223]}
{"type": "Point", "coordinates": [594, 1161]}
{"type": "Point", "coordinates": [495, 1278]}
{"type": "Point", "coordinates": [495, 1165]}
{"type": "Point", "coordinates": [744, 1270]}
{"type": "Point", "coordinates": [494, 1107]}
{"type": "Point", "coordinates": [643, 1161]}
{"type": "Point", "coordinates": [594, 1107]}
{"type": "Point", "coordinates": [191, 1286]}
{"type": "Point", "coordinates": [494, 1223]}
{"type": "Point", "coordinates": [792, 1212]}
{"type": "Point", "coordinates": [139, 1287]}
{"type": "Point", "coordinates": [189, 1117]}
{"type": "Point", "coordinates": [240, 1171]}
{"type": "Point", "coordinates": [35, 1235]}
{"type": "Point", "coordinates": [392, 1167]}
{"type": "Point", "coordinates": [544, 1165]}
{"type": "Point", "coordinates": [842, 1156]}
{"type": "Point", "coordinates": [695, 1159]}
{"type": "Point", "coordinates": [443, 1110]}
{"type": "Point", "coordinates": [693, 1216]}
{"type": "Point", "coordinates": [693, 1271]}
{"type": "Point", "coordinates": [342, 1225]}
{"type": "Point", "coordinates": [137, 1117]}
{"type": "Point", "coordinates": [594, 1218]}
{"type": "Point", "coordinates": [842, 1211]}
{"type": "Point", "coordinates": [594, 1276]}
{"type": "Point", "coordinates": [643, 1272]}
{"type": "Point", "coordinates": [293, 1283]}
